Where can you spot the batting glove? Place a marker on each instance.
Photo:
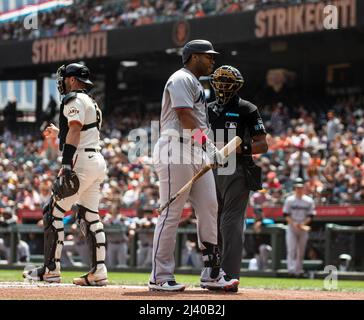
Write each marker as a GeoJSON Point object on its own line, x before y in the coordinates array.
{"type": "Point", "coordinates": [213, 153]}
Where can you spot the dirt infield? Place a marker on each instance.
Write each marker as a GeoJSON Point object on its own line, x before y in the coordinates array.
{"type": "Point", "coordinates": [24, 291]}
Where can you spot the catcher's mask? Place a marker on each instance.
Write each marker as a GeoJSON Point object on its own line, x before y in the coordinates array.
{"type": "Point", "coordinates": [60, 80]}
{"type": "Point", "coordinates": [226, 81]}
{"type": "Point", "coordinates": [77, 70]}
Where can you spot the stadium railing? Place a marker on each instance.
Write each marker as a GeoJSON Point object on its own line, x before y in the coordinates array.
{"type": "Point", "coordinates": [276, 233]}
{"type": "Point", "coordinates": [348, 240]}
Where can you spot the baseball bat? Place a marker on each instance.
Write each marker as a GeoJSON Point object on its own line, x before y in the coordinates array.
{"type": "Point", "coordinates": [225, 151]}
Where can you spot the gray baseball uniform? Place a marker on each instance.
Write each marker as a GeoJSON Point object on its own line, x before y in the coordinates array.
{"type": "Point", "coordinates": [172, 160]}
{"type": "Point", "coordinates": [296, 240]}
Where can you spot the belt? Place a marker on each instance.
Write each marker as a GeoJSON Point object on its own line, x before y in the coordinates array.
{"type": "Point", "coordinates": [186, 140]}
{"type": "Point", "coordinates": [91, 150]}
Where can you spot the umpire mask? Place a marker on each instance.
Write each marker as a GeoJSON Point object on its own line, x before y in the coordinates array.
{"type": "Point", "coordinates": [226, 82]}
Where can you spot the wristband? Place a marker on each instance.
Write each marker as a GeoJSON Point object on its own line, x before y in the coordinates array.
{"type": "Point", "coordinates": [200, 137]}
{"type": "Point", "coordinates": [68, 153]}
{"type": "Point", "coordinates": [246, 149]}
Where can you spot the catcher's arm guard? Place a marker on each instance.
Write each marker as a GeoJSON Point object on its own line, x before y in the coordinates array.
{"type": "Point", "coordinates": [66, 185]}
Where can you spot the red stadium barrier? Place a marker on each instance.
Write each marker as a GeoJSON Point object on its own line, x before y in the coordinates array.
{"type": "Point", "coordinates": [322, 211]}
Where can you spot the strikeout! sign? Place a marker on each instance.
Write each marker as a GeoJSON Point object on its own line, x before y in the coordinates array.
{"type": "Point", "coordinates": [310, 17]}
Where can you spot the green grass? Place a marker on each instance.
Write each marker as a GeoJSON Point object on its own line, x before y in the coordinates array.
{"type": "Point", "coordinates": [121, 278]}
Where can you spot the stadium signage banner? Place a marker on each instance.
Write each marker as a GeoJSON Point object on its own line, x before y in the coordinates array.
{"type": "Point", "coordinates": [75, 47]}
{"type": "Point", "coordinates": [332, 211]}
{"type": "Point", "coordinates": [345, 211]}
{"type": "Point", "coordinates": [304, 18]}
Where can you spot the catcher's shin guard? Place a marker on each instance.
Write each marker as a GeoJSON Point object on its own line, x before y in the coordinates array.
{"type": "Point", "coordinates": [53, 234]}
{"type": "Point", "coordinates": [53, 244]}
{"type": "Point", "coordinates": [93, 230]}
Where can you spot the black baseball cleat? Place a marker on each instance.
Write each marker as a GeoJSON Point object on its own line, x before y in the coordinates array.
{"type": "Point", "coordinates": [167, 286]}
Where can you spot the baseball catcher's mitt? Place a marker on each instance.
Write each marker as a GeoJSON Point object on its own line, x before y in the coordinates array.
{"type": "Point", "coordinates": [66, 185]}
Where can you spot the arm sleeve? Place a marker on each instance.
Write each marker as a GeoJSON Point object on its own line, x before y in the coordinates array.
{"type": "Point", "coordinates": [75, 111]}
{"type": "Point", "coordinates": [181, 93]}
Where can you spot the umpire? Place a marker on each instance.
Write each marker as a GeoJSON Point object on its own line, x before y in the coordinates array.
{"type": "Point", "coordinates": [230, 112]}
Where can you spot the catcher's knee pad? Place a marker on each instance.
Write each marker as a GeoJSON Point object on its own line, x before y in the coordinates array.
{"type": "Point", "coordinates": [93, 230]}
{"type": "Point", "coordinates": [53, 234]}
{"type": "Point", "coordinates": [211, 258]}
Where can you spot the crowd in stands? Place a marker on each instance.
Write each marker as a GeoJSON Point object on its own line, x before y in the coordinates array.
{"type": "Point", "coordinates": [96, 15]}
{"type": "Point", "coordinates": [323, 146]}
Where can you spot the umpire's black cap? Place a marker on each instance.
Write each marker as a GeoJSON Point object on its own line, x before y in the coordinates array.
{"type": "Point", "coordinates": [196, 46]}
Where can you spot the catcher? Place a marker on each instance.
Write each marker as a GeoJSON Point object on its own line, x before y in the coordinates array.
{"type": "Point", "coordinates": [78, 182]}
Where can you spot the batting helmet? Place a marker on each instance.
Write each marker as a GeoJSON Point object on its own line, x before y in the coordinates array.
{"type": "Point", "coordinates": [77, 70]}
{"type": "Point", "coordinates": [226, 81]}
{"type": "Point", "coordinates": [196, 46]}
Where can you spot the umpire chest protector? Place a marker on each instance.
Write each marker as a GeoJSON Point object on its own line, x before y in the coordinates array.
{"type": "Point", "coordinates": [237, 114]}
{"type": "Point", "coordinates": [63, 122]}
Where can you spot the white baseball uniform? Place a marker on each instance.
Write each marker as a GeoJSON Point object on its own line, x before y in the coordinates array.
{"type": "Point", "coordinates": [90, 167]}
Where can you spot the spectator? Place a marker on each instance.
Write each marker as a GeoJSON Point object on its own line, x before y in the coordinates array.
{"type": "Point", "coordinates": [86, 16]}
{"type": "Point", "coordinates": [257, 245]}
{"type": "Point", "coordinates": [278, 120]}
{"type": "Point", "coordinates": [191, 254]}
{"type": "Point", "coordinates": [334, 127]}
{"type": "Point", "coordinates": [117, 243]}
{"type": "Point", "coordinates": [143, 227]}
{"type": "Point", "coordinates": [75, 243]}
{"type": "Point", "coordinates": [299, 162]}
{"type": "Point", "coordinates": [10, 115]}
{"type": "Point", "coordinates": [50, 112]}
{"type": "Point", "coordinates": [8, 218]}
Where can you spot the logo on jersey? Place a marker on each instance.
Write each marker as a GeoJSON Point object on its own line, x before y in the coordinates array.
{"type": "Point", "coordinates": [259, 126]}
{"type": "Point", "coordinates": [201, 97]}
{"type": "Point", "coordinates": [231, 125]}
{"type": "Point", "coordinates": [230, 114]}
{"type": "Point", "coordinates": [73, 111]}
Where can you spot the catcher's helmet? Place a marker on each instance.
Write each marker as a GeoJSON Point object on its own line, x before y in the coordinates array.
{"type": "Point", "coordinates": [226, 81]}
{"type": "Point", "coordinates": [196, 46]}
{"type": "Point", "coordinates": [77, 70]}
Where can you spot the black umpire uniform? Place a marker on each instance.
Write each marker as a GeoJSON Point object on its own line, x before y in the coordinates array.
{"type": "Point", "coordinates": [233, 190]}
